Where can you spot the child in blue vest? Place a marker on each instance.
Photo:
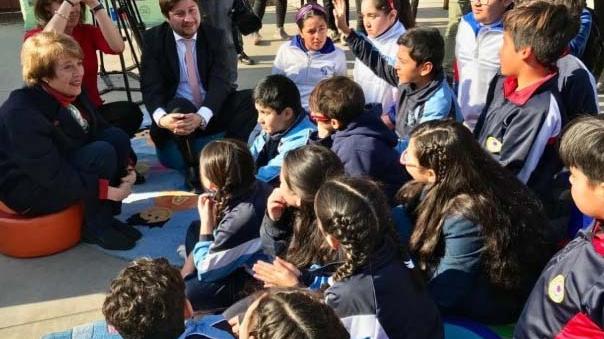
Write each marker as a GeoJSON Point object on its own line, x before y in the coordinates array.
{"type": "Point", "coordinates": [568, 299]}
{"type": "Point", "coordinates": [226, 240]}
{"type": "Point", "coordinates": [282, 125]}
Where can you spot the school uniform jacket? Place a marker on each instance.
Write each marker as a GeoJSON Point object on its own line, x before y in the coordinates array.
{"type": "Point", "coordinates": [235, 241]}
{"type": "Point", "coordinates": [366, 148]}
{"type": "Point", "coordinates": [568, 299]}
{"type": "Point", "coordinates": [577, 87]}
{"type": "Point", "coordinates": [415, 105]}
{"type": "Point", "coordinates": [376, 89]}
{"type": "Point", "coordinates": [306, 68]}
{"type": "Point", "coordinates": [521, 128]}
{"type": "Point", "coordinates": [477, 60]}
{"type": "Point", "coordinates": [297, 136]}
{"type": "Point", "coordinates": [382, 301]}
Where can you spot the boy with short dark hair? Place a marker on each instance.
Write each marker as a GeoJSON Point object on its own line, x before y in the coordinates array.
{"type": "Point", "coordinates": [522, 118]}
{"type": "Point", "coordinates": [425, 93]}
{"type": "Point", "coordinates": [568, 299]}
{"type": "Point", "coordinates": [147, 300]}
{"type": "Point", "coordinates": [283, 125]}
{"type": "Point", "coordinates": [358, 137]}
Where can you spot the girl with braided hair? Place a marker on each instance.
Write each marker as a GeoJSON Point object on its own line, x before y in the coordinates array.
{"type": "Point", "coordinates": [479, 234]}
{"type": "Point", "coordinates": [373, 289]}
{"type": "Point", "coordinates": [226, 239]}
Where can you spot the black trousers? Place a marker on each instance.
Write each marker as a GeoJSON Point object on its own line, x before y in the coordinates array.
{"type": "Point", "coordinates": [123, 114]}
{"type": "Point", "coordinates": [236, 119]}
{"type": "Point", "coordinates": [260, 7]}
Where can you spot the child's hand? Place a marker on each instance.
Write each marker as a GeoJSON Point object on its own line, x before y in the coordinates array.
{"type": "Point", "coordinates": [280, 273]}
{"type": "Point", "coordinates": [275, 205]}
{"type": "Point", "coordinates": [206, 206]}
{"type": "Point", "coordinates": [339, 14]}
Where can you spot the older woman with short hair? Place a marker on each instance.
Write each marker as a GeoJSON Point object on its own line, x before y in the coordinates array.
{"type": "Point", "coordinates": [56, 150]}
{"type": "Point", "coordinates": [67, 16]}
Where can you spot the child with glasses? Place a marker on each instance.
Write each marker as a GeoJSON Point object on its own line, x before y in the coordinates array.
{"type": "Point", "coordinates": [478, 233]}
{"type": "Point", "coordinates": [358, 136]}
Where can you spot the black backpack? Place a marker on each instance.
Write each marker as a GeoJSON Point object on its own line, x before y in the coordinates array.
{"type": "Point", "coordinates": [593, 56]}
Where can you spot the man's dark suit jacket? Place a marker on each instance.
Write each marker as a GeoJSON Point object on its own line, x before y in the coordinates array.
{"type": "Point", "coordinates": [160, 73]}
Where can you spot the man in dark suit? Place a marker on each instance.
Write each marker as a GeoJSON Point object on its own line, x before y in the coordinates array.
{"type": "Point", "coordinates": [187, 88]}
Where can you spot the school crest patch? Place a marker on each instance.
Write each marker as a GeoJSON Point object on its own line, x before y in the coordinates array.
{"type": "Point", "coordinates": [555, 289]}
{"type": "Point", "coordinates": [493, 145]}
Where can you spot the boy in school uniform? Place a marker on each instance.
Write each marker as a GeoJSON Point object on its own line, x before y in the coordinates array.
{"type": "Point", "coordinates": [522, 118]}
{"type": "Point", "coordinates": [418, 73]}
{"type": "Point", "coordinates": [147, 300]}
{"type": "Point", "coordinates": [568, 299]}
{"type": "Point", "coordinates": [356, 135]}
{"type": "Point", "coordinates": [479, 38]}
{"type": "Point", "coordinates": [283, 125]}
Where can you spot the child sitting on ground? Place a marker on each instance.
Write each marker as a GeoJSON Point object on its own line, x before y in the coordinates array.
{"type": "Point", "coordinates": [289, 227]}
{"type": "Point", "coordinates": [147, 300]}
{"type": "Point", "coordinates": [425, 94]}
{"type": "Point", "coordinates": [363, 143]}
{"type": "Point", "coordinates": [226, 238]}
{"type": "Point", "coordinates": [479, 235]}
{"type": "Point", "coordinates": [568, 299]}
{"type": "Point", "coordinates": [284, 125]}
{"type": "Point", "coordinates": [479, 38]}
{"type": "Point", "coordinates": [522, 118]}
{"type": "Point", "coordinates": [290, 313]}
{"type": "Point", "coordinates": [310, 56]}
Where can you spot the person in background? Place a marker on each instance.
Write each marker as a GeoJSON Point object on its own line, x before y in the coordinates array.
{"type": "Point", "coordinates": [310, 56]}
{"type": "Point", "coordinates": [281, 8]}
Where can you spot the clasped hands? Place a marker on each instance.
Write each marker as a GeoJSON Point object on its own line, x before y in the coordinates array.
{"type": "Point", "coordinates": [182, 123]}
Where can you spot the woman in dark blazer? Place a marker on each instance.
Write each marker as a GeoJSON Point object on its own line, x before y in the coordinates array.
{"type": "Point", "coordinates": [55, 150]}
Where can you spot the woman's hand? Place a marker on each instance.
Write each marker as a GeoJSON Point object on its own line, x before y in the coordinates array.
{"type": "Point", "coordinates": [275, 205]}
{"type": "Point", "coordinates": [90, 3]}
{"type": "Point", "coordinates": [119, 193]}
{"type": "Point", "coordinates": [206, 206]}
{"type": "Point", "coordinates": [278, 274]}
{"type": "Point", "coordinates": [339, 14]}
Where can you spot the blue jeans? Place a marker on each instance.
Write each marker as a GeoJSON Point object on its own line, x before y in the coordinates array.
{"type": "Point", "coordinates": [169, 153]}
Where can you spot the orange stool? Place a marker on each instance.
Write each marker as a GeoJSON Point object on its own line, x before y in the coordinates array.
{"type": "Point", "coordinates": [25, 237]}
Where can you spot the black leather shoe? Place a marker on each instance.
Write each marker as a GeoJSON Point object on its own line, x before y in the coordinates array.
{"type": "Point", "coordinates": [192, 181]}
{"type": "Point", "coordinates": [109, 239]}
{"type": "Point", "coordinates": [245, 59]}
{"type": "Point", "coordinates": [127, 230]}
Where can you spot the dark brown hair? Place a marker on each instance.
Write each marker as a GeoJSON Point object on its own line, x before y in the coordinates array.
{"type": "Point", "coordinates": [425, 44]}
{"type": "Point", "coordinates": [296, 313]}
{"type": "Point", "coordinates": [146, 300]}
{"type": "Point", "coordinates": [356, 212]}
{"type": "Point", "coordinates": [305, 170]}
{"type": "Point", "coordinates": [339, 98]}
{"type": "Point", "coordinates": [43, 14]}
{"type": "Point", "coordinates": [471, 184]}
{"type": "Point", "coordinates": [542, 26]}
{"type": "Point", "coordinates": [582, 146]}
{"type": "Point", "coordinates": [229, 165]}
{"type": "Point", "coordinates": [165, 6]}
{"type": "Point", "coordinates": [308, 11]}
{"type": "Point", "coordinates": [403, 9]}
